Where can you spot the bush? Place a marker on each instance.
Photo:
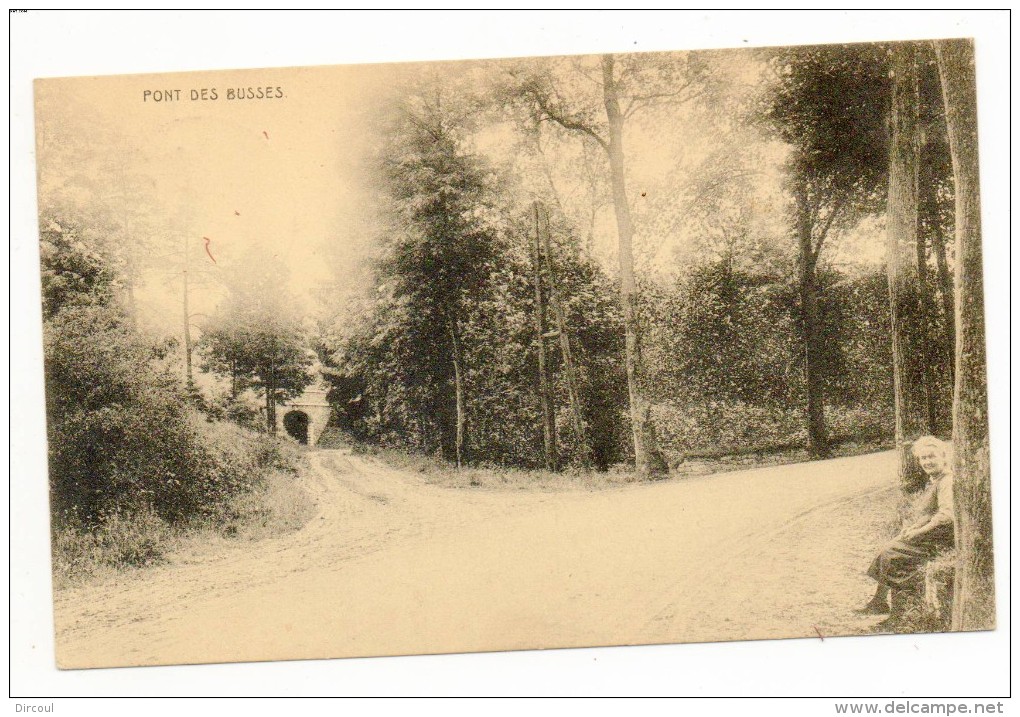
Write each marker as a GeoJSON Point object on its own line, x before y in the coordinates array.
{"type": "Point", "coordinates": [717, 428]}
{"type": "Point", "coordinates": [124, 438]}
{"type": "Point", "coordinates": [857, 423]}
{"type": "Point", "coordinates": [277, 506]}
{"type": "Point", "coordinates": [123, 540]}
{"type": "Point", "coordinates": [244, 487]}
{"type": "Point", "coordinates": [133, 464]}
{"type": "Point", "coordinates": [118, 434]}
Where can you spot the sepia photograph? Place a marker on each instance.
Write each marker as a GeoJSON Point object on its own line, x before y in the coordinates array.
{"type": "Point", "coordinates": [486, 355]}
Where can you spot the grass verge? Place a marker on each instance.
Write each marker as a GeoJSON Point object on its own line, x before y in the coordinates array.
{"type": "Point", "coordinates": [125, 541]}
{"type": "Point", "coordinates": [437, 471]}
{"type": "Point", "coordinates": [134, 539]}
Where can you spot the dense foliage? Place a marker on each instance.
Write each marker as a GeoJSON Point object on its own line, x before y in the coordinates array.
{"type": "Point", "coordinates": [449, 336]}
{"type": "Point", "coordinates": [123, 438]}
{"type": "Point", "coordinates": [453, 306]}
{"type": "Point", "coordinates": [256, 339]}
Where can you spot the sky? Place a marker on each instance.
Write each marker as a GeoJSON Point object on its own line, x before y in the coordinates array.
{"type": "Point", "coordinates": [274, 162]}
{"type": "Point", "coordinates": [277, 175]}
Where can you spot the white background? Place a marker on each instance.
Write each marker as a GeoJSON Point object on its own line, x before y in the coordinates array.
{"type": "Point", "coordinates": [61, 43]}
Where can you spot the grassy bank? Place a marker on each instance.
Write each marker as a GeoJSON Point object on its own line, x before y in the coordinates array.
{"type": "Point", "coordinates": [436, 471]}
{"type": "Point", "coordinates": [273, 504]}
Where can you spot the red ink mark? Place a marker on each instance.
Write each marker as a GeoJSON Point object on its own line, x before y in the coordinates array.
{"type": "Point", "coordinates": [819, 633]}
{"type": "Point", "coordinates": [207, 240]}
{"type": "Point", "coordinates": [266, 134]}
{"type": "Point", "coordinates": [237, 213]}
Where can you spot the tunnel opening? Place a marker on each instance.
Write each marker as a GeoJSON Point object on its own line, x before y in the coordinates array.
{"type": "Point", "coordinates": [296, 425]}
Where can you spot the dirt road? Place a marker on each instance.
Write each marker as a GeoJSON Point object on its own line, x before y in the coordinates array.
{"type": "Point", "coordinates": [391, 565]}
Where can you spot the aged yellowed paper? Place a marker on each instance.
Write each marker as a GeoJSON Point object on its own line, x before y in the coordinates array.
{"type": "Point", "coordinates": [495, 355]}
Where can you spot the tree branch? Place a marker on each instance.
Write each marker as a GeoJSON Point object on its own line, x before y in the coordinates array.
{"type": "Point", "coordinates": [841, 204]}
{"type": "Point", "coordinates": [836, 208]}
{"type": "Point", "coordinates": [421, 124]}
{"type": "Point", "coordinates": [638, 101]}
{"type": "Point", "coordinates": [548, 174]}
{"type": "Point", "coordinates": [566, 122]}
{"type": "Point", "coordinates": [579, 69]}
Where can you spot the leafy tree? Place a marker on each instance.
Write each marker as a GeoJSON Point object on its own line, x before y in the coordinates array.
{"type": "Point", "coordinates": [594, 102]}
{"type": "Point", "coordinates": [256, 337]}
{"type": "Point", "coordinates": [385, 391]}
{"type": "Point", "coordinates": [596, 322]}
{"type": "Point", "coordinates": [456, 265]}
{"type": "Point", "coordinates": [120, 434]}
{"type": "Point", "coordinates": [104, 191]}
{"type": "Point", "coordinates": [74, 270]}
{"type": "Point", "coordinates": [441, 257]}
{"type": "Point", "coordinates": [828, 104]}
{"type": "Point", "coordinates": [861, 118]}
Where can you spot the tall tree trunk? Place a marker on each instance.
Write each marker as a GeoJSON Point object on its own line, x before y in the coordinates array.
{"type": "Point", "coordinates": [458, 388]}
{"type": "Point", "coordinates": [129, 295]}
{"type": "Point", "coordinates": [271, 400]}
{"type": "Point", "coordinates": [945, 279]}
{"type": "Point", "coordinates": [818, 438]}
{"type": "Point", "coordinates": [929, 347]}
{"type": "Point", "coordinates": [935, 284]}
{"type": "Point", "coordinates": [908, 319]}
{"type": "Point", "coordinates": [188, 377]}
{"type": "Point", "coordinates": [974, 601]}
{"type": "Point", "coordinates": [573, 392]}
{"type": "Point", "coordinates": [544, 389]}
{"type": "Point", "coordinates": [647, 458]}
{"type": "Point", "coordinates": [937, 302]}
{"type": "Point", "coordinates": [130, 269]}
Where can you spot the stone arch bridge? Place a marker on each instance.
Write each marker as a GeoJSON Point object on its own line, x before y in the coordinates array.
{"type": "Point", "coordinates": [305, 417]}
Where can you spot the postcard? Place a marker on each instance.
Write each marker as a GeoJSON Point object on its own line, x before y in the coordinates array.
{"type": "Point", "coordinates": [545, 352]}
